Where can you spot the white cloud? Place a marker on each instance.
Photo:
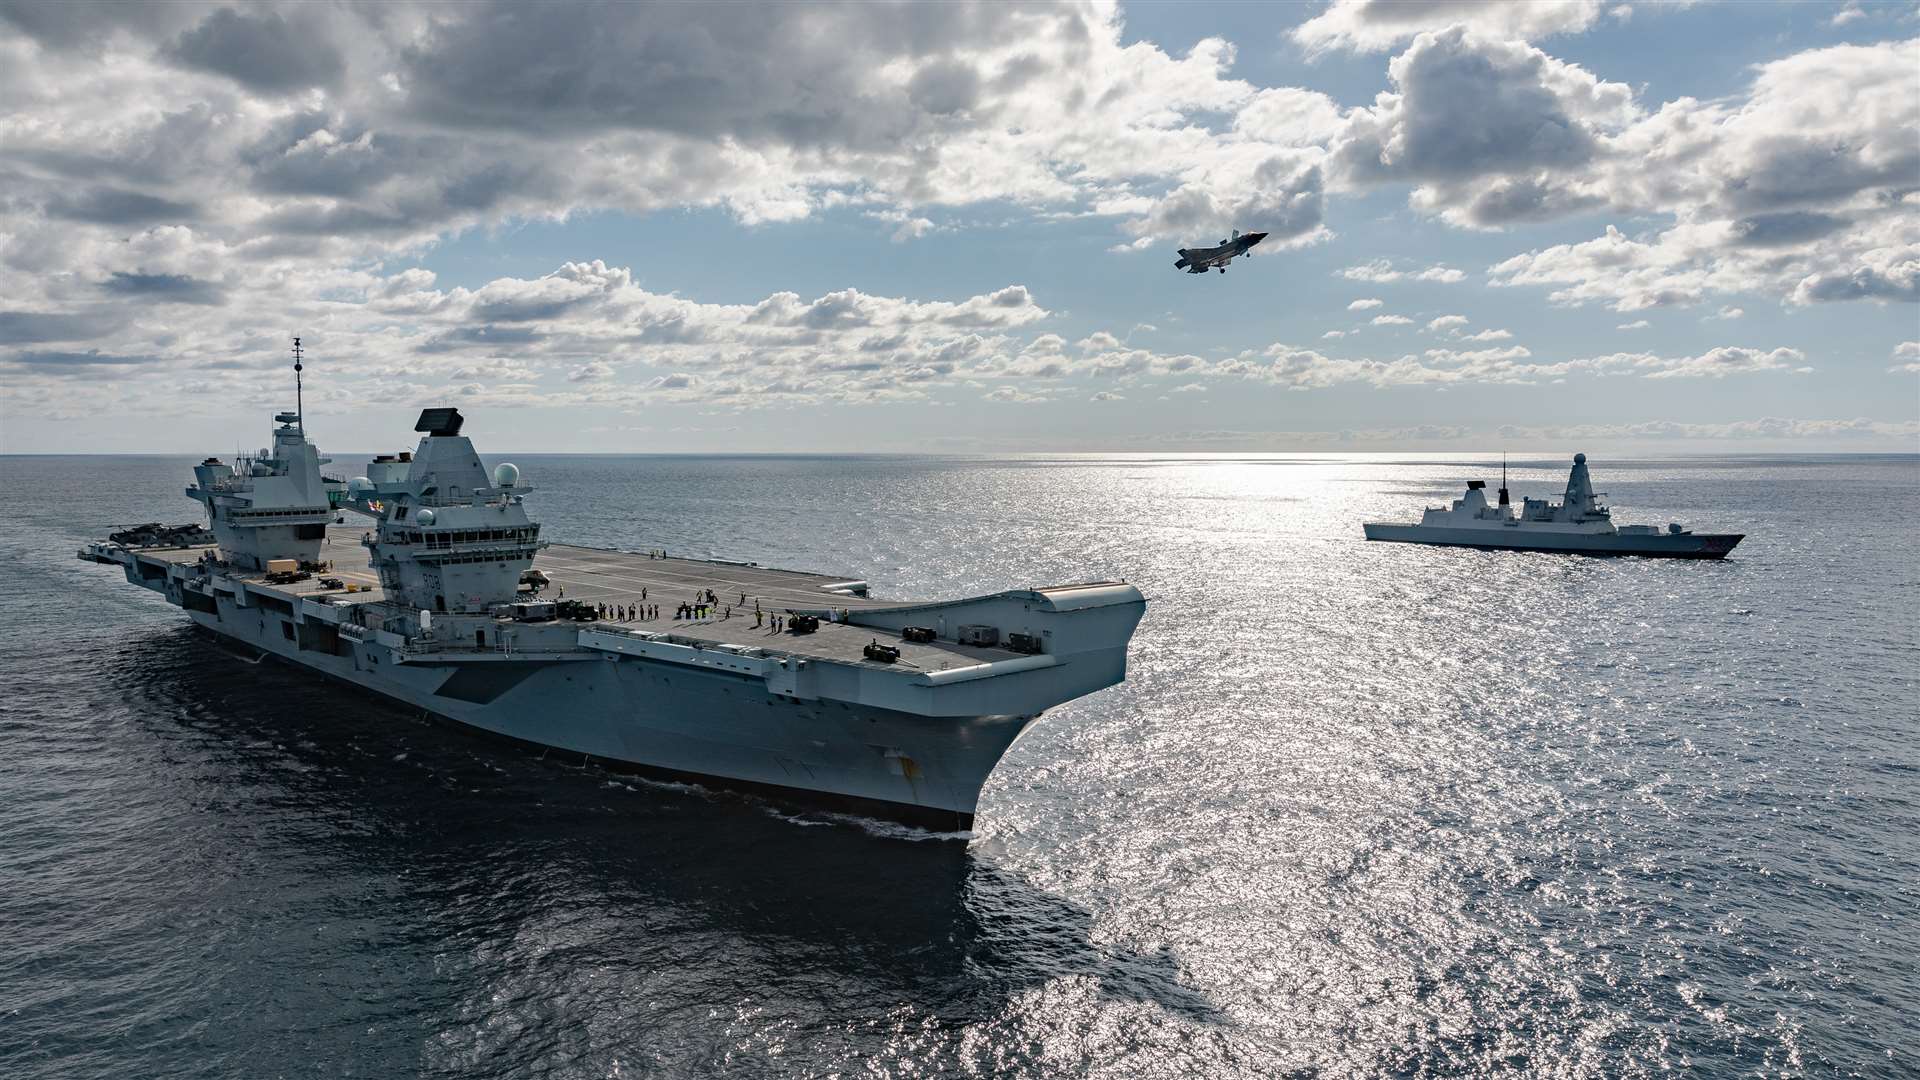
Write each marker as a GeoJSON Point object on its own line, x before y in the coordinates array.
{"type": "Point", "coordinates": [1770, 428]}
{"type": "Point", "coordinates": [431, 119]}
{"type": "Point", "coordinates": [177, 178]}
{"type": "Point", "coordinates": [1781, 431]}
{"type": "Point", "coordinates": [586, 333]}
{"type": "Point", "coordinates": [1107, 395]}
{"type": "Point", "coordinates": [1908, 351]}
{"type": "Point", "coordinates": [1801, 190]}
{"type": "Point", "coordinates": [1729, 312]}
{"type": "Point", "coordinates": [1333, 334]}
{"type": "Point", "coordinates": [1465, 109]}
{"type": "Point", "coordinates": [1726, 360]}
{"type": "Point", "coordinates": [1377, 25]}
{"type": "Point", "coordinates": [911, 229]}
{"type": "Point", "coordinates": [1637, 324]}
{"type": "Point", "coordinates": [1306, 369]}
{"type": "Point", "coordinates": [1381, 271]}
{"type": "Point", "coordinates": [1392, 320]}
{"type": "Point", "coordinates": [1847, 14]}
{"type": "Point", "coordinates": [1446, 322]}
{"type": "Point", "coordinates": [1013, 395]}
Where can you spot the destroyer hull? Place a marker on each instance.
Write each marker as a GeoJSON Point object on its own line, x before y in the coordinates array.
{"type": "Point", "coordinates": [1512, 538]}
{"type": "Point", "coordinates": [671, 723]}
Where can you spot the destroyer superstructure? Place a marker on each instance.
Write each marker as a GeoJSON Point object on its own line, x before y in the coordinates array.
{"type": "Point", "coordinates": [899, 709]}
{"type": "Point", "coordinates": [1578, 524]}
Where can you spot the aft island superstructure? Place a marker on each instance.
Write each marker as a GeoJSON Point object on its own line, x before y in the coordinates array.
{"type": "Point", "coordinates": [1578, 524]}
{"type": "Point", "coordinates": [890, 708]}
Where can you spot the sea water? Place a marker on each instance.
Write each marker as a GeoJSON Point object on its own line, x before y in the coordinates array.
{"type": "Point", "coordinates": [1359, 809]}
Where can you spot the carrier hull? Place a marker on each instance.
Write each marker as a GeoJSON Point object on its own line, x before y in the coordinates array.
{"type": "Point", "coordinates": [694, 726]}
{"type": "Point", "coordinates": [1518, 538]}
{"type": "Point", "coordinates": [718, 703]}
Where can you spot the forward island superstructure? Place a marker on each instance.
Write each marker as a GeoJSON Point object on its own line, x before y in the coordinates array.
{"type": "Point", "coordinates": [895, 709]}
{"type": "Point", "coordinates": [1578, 524]}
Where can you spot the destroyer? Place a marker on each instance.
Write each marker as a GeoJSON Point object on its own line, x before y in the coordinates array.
{"type": "Point", "coordinates": [897, 709]}
{"type": "Point", "coordinates": [1578, 524]}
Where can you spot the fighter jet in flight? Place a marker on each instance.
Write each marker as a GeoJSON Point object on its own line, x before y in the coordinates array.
{"type": "Point", "coordinates": [1201, 260]}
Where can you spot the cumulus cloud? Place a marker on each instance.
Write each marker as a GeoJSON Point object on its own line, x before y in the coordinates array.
{"type": "Point", "coordinates": [163, 288]}
{"type": "Point", "coordinates": [1376, 25]}
{"type": "Point", "coordinates": [263, 50]}
{"type": "Point", "coordinates": [1802, 187]}
{"type": "Point", "coordinates": [1282, 194]}
{"type": "Point", "coordinates": [1726, 360]}
{"type": "Point", "coordinates": [1772, 429]}
{"type": "Point", "coordinates": [180, 176]}
{"type": "Point", "coordinates": [1747, 433]}
{"type": "Point", "coordinates": [1365, 303]}
{"type": "Point", "coordinates": [1466, 107]}
{"type": "Point", "coordinates": [1803, 190]}
{"type": "Point", "coordinates": [1382, 271]}
{"type": "Point", "coordinates": [379, 128]}
{"type": "Point", "coordinates": [1877, 274]}
{"type": "Point", "coordinates": [1013, 395]}
{"type": "Point", "coordinates": [585, 333]}
{"type": "Point", "coordinates": [1392, 320]}
{"type": "Point", "coordinates": [1907, 357]}
{"type": "Point", "coordinates": [1446, 322]}
{"type": "Point", "coordinates": [1303, 369]}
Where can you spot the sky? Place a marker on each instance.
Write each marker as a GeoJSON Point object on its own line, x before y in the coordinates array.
{"type": "Point", "coordinates": [1654, 227]}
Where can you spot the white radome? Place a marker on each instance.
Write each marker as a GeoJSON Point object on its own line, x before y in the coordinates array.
{"type": "Point", "coordinates": [424, 517]}
{"type": "Point", "coordinates": [506, 475]}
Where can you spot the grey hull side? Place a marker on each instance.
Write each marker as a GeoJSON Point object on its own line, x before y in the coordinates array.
{"type": "Point", "coordinates": [1504, 538]}
{"type": "Point", "coordinates": [668, 720]}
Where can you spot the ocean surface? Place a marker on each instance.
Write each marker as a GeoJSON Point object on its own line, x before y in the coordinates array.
{"type": "Point", "coordinates": [1359, 810]}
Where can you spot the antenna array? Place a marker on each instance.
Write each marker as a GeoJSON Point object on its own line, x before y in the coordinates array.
{"type": "Point", "coordinates": [299, 405]}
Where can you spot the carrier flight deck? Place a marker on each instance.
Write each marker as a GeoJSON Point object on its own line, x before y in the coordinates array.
{"type": "Point", "coordinates": [599, 575]}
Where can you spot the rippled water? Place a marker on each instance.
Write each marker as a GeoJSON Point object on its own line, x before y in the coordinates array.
{"type": "Point", "coordinates": [1359, 810]}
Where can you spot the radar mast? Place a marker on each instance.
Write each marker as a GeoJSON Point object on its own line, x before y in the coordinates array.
{"type": "Point", "coordinates": [299, 405]}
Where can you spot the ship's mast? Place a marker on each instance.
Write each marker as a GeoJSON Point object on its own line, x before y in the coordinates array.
{"type": "Point", "coordinates": [1503, 478]}
{"type": "Point", "coordinates": [299, 408]}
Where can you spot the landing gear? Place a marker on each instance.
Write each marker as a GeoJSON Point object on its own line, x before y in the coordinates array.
{"type": "Point", "coordinates": [1222, 269]}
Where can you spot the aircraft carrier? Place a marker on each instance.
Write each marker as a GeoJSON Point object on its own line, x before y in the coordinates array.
{"type": "Point", "coordinates": [449, 599]}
